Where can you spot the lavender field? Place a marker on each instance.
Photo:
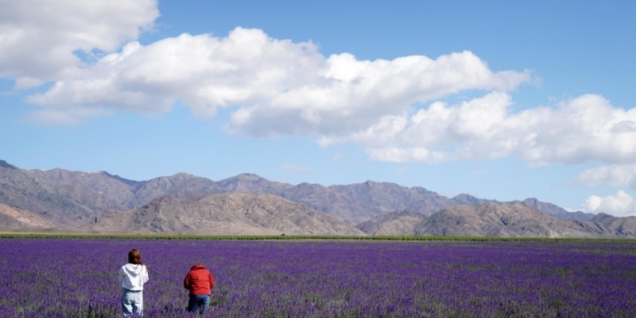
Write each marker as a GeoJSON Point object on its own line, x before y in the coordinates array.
{"type": "Point", "coordinates": [78, 278]}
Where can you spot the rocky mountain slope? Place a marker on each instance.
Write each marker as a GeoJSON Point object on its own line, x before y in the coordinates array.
{"type": "Point", "coordinates": [556, 211]}
{"type": "Point", "coordinates": [225, 213]}
{"type": "Point", "coordinates": [72, 198]}
{"type": "Point", "coordinates": [16, 219]}
{"type": "Point", "coordinates": [63, 197]}
{"type": "Point", "coordinates": [360, 202]}
{"type": "Point", "coordinates": [498, 220]}
{"type": "Point", "coordinates": [394, 223]}
{"type": "Point", "coordinates": [625, 226]}
{"type": "Point", "coordinates": [69, 200]}
{"type": "Point", "coordinates": [354, 203]}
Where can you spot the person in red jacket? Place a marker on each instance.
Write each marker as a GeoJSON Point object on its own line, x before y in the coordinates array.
{"type": "Point", "coordinates": [199, 282]}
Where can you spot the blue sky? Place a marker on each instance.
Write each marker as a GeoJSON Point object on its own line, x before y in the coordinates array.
{"type": "Point", "coordinates": [498, 99]}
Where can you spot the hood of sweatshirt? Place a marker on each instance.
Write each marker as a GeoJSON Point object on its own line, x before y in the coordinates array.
{"type": "Point", "coordinates": [133, 270]}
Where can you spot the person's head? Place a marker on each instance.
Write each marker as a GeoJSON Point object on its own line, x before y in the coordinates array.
{"type": "Point", "coordinates": [134, 257]}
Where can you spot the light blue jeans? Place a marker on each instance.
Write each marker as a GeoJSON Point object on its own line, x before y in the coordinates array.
{"type": "Point", "coordinates": [132, 301]}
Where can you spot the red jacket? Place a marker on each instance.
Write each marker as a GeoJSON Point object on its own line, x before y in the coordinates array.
{"type": "Point", "coordinates": [199, 281]}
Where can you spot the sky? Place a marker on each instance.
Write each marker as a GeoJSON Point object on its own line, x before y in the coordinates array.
{"type": "Point", "coordinates": [503, 100]}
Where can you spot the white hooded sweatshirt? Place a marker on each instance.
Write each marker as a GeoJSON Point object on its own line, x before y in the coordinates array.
{"type": "Point", "coordinates": [133, 276]}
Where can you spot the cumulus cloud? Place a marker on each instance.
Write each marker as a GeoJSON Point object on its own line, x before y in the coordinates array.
{"type": "Point", "coordinates": [621, 204]}
{"type": "Point", "coordinates": [393, 109]}
{"type": "Point", "coordinates": [586, 128]}
{"type": "Point", "coordinates": [268, 81]}
{"type": "Point", "coordinates": [349, 95]}
{"type": "Point", "coordinates": [203, 72]}
{"type": "Point", "coordinates": [39, 38]}
{"type": "Point", "coordinates": [619, 176]}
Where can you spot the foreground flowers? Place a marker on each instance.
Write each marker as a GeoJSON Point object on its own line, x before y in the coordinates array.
{"type": "Point", "coordinates": [78, 278]}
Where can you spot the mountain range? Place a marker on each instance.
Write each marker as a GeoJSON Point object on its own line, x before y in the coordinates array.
{"type": "Point", "coordinates": [72, 201]}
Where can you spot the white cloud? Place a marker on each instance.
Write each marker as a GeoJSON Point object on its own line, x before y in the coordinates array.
{"type": "Point", "coordinates": [621, 204]}
{"type": "Point", "coordinates": [269, 82]}
{"type": "Point", "coordinates": [280, 87]}
{"type": "Point", "coordinates": [204, 72]}
{"type": "Point", "coordinates": [39, 37]}
{"type": "Point", "coordinates": [348, 95]}
{"type": "Point", "coordinates": [586, 128]}
{"type": "Point", "coordinates": [619, 176]}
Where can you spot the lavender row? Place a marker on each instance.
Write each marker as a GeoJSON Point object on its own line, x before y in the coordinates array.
{"type": "Point", "coordinates": [77, 278]}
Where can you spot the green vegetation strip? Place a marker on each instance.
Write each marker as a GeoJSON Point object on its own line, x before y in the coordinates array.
{"type": "Point", "coordinates": [294, 237]}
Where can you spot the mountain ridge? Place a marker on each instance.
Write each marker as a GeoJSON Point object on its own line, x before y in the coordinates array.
{"type": "Point", "coordinates": [512, 219]}
{"type": "Point", "coordinates": [72, 199]}
{"type": "Point", "coordinates": [224, 213]}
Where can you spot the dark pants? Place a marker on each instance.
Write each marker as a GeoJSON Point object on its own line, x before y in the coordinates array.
{"type": "Point", "coordinates": [199, 303]}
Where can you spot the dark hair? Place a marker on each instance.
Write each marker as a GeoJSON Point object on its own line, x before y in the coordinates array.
{"type": "Point", "coordinates": [134, 257]}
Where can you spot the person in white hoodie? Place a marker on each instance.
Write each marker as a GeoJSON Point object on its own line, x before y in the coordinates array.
{"type": "Point", "coordinates": [132, 278]}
